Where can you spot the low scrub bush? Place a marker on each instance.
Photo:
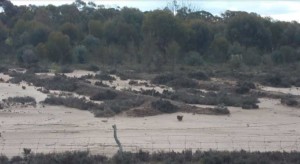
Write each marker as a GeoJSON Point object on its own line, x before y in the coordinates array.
{"type": "Point", "coordinates": [93, 68]}
{"type": "Point", "coordinates": [221, 109]}
{"type": "Point", "coordinates": [65, 69]}
{"type": "Point", "coordinates": [106, 77]}
{"type": "Point", "coordinates": [58, 82]}
{"type": "Point", "coordinates": [164, 79]}
{"type": "Point", "coordinates": [104, 95]}
{"type": "Point", "coordinates": [27, 100]}
{"type": "Point", "coordinates": [73, 102]}
{"type": "Point", "coordinates": [150, 92]}
{"type": "Point", "coordinates": [244, 87]}
{"type": "Point", "coordinates": [3, 69]}
{"type": "Point", "coordinates": [164, 106]}
{"type": "Point", "coordinates": [133, 82]}
{"type": "Point", "coordinates": [37, 69]}
{"type": "Point", "coordinates": [198, 75]}
{"type": "Point", "coordinates": [277, 81]}
{"type": "Point", "coordinates": [101, 84]}
{"type": "Point", "coordinates": [187, 156]}
{"type": "Point", "coordinates": [120, 105]}
{"type": "Point", "coordinates": [289, 101]}
{"type": "Point", "coordinates": [175, 80]}
{"type": "Point", "coordinates": [183, 83]}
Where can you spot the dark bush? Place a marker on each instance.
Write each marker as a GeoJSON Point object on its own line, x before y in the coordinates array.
{"type": "Point", "coordinates": [4, 159]}
{"type": "Point", "coordinates": [93, 68]}
{"type": "Point", "coordinates": [242, 90]}
{"type": "Point", "coordinates": [187, 156]}
{"type": "Point", "coordinates": [104, 77]}
{"type": "Point", "coordinates": [289, 101]}
{"type": "Point", "coordinates": [3, 69]}
{"type": "Point", "coordinates": [221, 109]}
{"type": "Point", "coordinates": [133, 82]}
{"type": "Point", "coordinates": [101, 84]}
{"type": "Point", "coordinates": [164, 79]}
{"type": "Point", "coordinates": [149, 92]}
{"type": "Point", "coordinates": [73, 102]}
{"type": "Point", "coordinates": [37, 69]}
{"type": "Point", "coordinates": [198, 75]}
{"type": "Point", "coordinates": [184, 83]}
{"type": "Point", "coordinates": [65, 69]}
{"type": "Point", "coordinates": [20, 100]}
{"type": "Point", "coordinates": [58, 82]}
{"type": "Point", "coordinates": [277, 81]}
{"type": "Point", "coordinates": [121, 105]}
{"type": "Point", "coordinates": [244, 87]}
{"type": "Point", "coordinates": [164, 106]}
{"type": "Point", "coordinates": [104, 95]}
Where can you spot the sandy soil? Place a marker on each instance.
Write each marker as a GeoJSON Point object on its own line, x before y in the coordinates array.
{"type": "Point", "coordinates": [56, 128]}
{"type": "Point", "coordinates": [292, 90]}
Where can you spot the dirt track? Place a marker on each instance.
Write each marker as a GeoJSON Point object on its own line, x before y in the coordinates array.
{"type": "Point", "coordinates": [54, 128]}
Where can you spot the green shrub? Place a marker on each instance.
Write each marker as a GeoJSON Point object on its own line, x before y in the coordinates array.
{"type": "Point", "coordinates": [164, 106]}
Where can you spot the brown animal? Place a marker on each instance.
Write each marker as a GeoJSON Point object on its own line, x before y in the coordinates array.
{"type": "Point", "coordinates": [23, 87]}
{"type": "Point", "coordinates": [179, 117]}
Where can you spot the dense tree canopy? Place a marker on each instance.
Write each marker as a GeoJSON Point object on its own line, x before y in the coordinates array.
{"type": "Point", "coordinates": [84, 32]}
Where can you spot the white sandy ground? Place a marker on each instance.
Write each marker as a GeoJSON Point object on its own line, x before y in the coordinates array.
{"type": "Point", "coordinates": [273, 127]}
{"type": "Point", "coordinates": [293, 90]}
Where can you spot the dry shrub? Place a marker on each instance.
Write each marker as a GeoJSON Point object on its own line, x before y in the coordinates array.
{"type": "Point", "coordinates": [164, 106]}
{"type": "Point", "coordinates": [104, 95]}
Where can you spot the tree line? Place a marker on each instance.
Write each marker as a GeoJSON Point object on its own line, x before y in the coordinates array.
{"type": "Point", "coordinates": [86, 33]}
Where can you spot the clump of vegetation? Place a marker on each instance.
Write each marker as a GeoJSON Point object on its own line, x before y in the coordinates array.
{"type": "Point", "coordinates": [101, 84]}
{"type": "Point", "coordinates": [38, 69]}
{"type": "Point", "coordinates": [289, 101]}
{"type": "Point", "coordinates": [26, 100]}
{"type": "Point", "coordinates": [277, 81]}
{"type": "Point", "coordinates": [106, 77]}
{"type": "Point", "coordinates": [58, 82]}
{"type": "Point", "coordinates": [80, 103]}
{"type": "Point", "coordinates": [164, 106]}
{"type": "Point", "coordinates": [133, 82]}
{"type": "Point", "coordinates": [244, 87]}
{"type": "Point", "coordinates": [93, 68]}
{"type": "Point", "coordinates": [104, 95]}
{"type": "Point", "coordinates": [3, 69]}
{"type": "Point", "coordinates": [164, 79]}
{"type": "Point", "coordinates": [183, 83]}
{"type": "Point", "coordinates": [120, 105]}
{"type": "Point", "coordinates": [65, 69]}
{"type": "Point", "coordinates": [72, 102]}
{"type": "Point", "coordinates": [198, 75]}
{"type": "Point", "coordinates": [186, 156]}
{"type": "Point", "coordinates": [221, 109]}
{"type": "Point", "coordinates": [175, 80]}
